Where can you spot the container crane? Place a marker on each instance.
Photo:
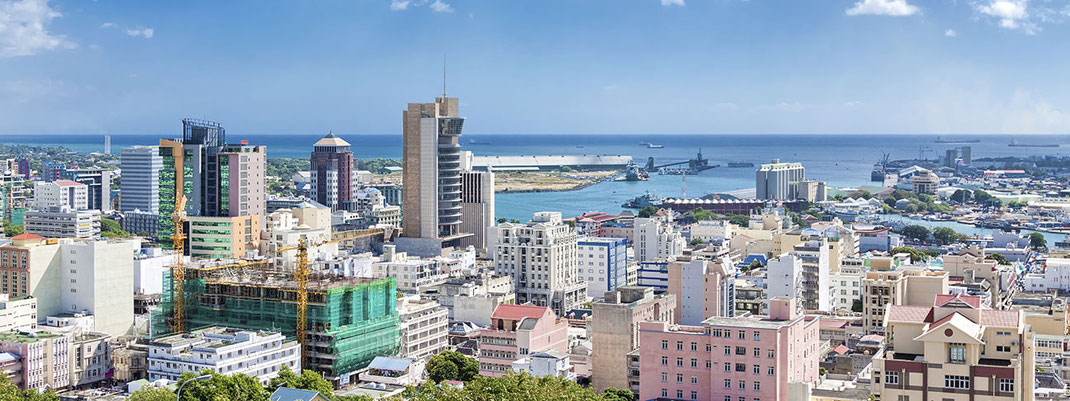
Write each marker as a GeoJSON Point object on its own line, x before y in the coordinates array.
{"type": "Point", "coordinates": [302, 272]}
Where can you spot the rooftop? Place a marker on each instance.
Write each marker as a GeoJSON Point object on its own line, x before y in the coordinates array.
{"type": "Point", "coordinates": [26, 337]}
{"type": "Point", "coordinates": [517, 312]}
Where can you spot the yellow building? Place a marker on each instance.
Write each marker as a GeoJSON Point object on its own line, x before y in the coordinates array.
{"type": "Point", "coordinates": [956, 349]}
{"type": "Point", "coordinates": [898, 287]}
{"type": "Point", "coordinates": [222, 237]}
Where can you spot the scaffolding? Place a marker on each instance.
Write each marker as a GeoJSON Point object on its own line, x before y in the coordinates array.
{"type": "Point", "coordinates": [351, 320]}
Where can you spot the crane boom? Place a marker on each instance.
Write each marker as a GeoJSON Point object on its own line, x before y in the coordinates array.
{"type": "Point", "coordinates": [178, 270]}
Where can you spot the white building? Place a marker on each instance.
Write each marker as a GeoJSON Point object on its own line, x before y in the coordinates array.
{"type": "Point", "coordinates": [412, 273]}
{"type": "Point", "coordinates": [777, 181]}
{"type": "Point", "coordinates": [846, 286]}
{"type": "Point", "coordinates": [1055, 276]}
{"type": "Point", "coordinates": [784, 278]}
{"type": "Point", "coordinates": [17, 313]}
{"type": "Point", "coordinates": [63, 222]}
{"type": "Point", "coordinates": [139, 188]}
{"type": "Point", "coordinates": [710, 231]}
{"type": "Point", "coordinates": [603, 264]}
{"type": "Point", "coordinates": [817, 291]}
{"type": "Point", "coordinates": [223, 350]}
{"type": "Point", "coordinates": [477, 206]}
{"type": "Point", "coordinates": [394, 371]}
{"type": "Point", "coordinates": [655, 237]}
{"type": "Point", "coordinates": [546, 363]}
{"type": "Point", "coordinates": [423, 328]}
{"type": "Point", "coordinates": [74, 195]}
{"type": "Point", "coordinates": [540, 256]}
{"type": "Point", "coordinates": [284, 229]}
{"type": "Point", "coordinates": [149, 267]}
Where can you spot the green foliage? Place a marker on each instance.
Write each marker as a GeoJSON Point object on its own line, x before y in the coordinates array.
{"type": "Point", "coordinates": [856, 306]}
{"type": "Point", "coordinates": [618, 394]}
{"type": "Point", "coordinates": [502, 220]}
{"type": "Point", "coordinates": [703, 215]}
{"type": "Point", "coordinates": [696, 241]}
{"type": "Point", "coordinates": [1000, 259]}
{"type": "Point", "coordinates": [753, 265]}
{"type": "Point", "coordinates": [219, 387]}
{"type": "Point", "coordinates": [981, 196]}
{"type": "Point", "coordinates": [377, 166]}
{"type": "Point", "coordinates": [915, 256]}
{"type": "Point", "coordinates": [961, 196]}
{"type": "Point", "coordinates": [110, 229]}
{"type": "Point", "coordinates": [1016, 205]}
{"type": "Point", "coordinates": [566, 169]}
{"type": "Point", "coordinates": [917, 232]}
{"type": "Point", "coordinates": [946, 235]}
{"type": "Point", "coordinates": [308, 380]}
{"type": "Point", "coordinates": [512, 387]}
{"type": "Point", "coordinates": [11, 230]}
{"type": "Point", "coordinates": [739, 220]}
{"type": "Point", "coordinates": [1037, 241]}
{"type": "Point", "coordinates": [647, 211]}
{"type": "Point", "coordinates": [152, 394]}
{"type": "Point", "coordinates": [861, 193]}
{"type": "Point", "coordinates": [452, 365]}
{"type": "Point", "coordinates": [9, 392]}
{"type": "Point", "coordinates": [284, 168]}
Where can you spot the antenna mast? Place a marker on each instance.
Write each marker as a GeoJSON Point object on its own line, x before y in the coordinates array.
{"type": "Point", "coordinates": [443, 75]}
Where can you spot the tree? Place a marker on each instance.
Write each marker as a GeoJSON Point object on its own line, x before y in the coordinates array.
{"type": "Point", "coordinates": [148, 393]}
{"type": "Point", "coordinates": [981, 196]}
{"type": "Point", "coordinates": [916, 232]}
{"type": "Point", "coordinates": [961, 196]}
{"type": "Point", "coordinates": [308, 380]}
{"type": "Point", "coordinates": [511, 387]}
{"type": "Point", "coordinates": [915, 256]}
{"type": "Point", "coordinates": [696, 241]}
{"type": "Point", "coordinates": [238, 387]}
{"type": "Point", "coordinates": [861, 193]}
{"type": "Point", "coordinates": [647, 211]}
{"type": "Point", "coordinates": [1015, 205]}
{"type": "Point", "coordinates": [945, 235]}
{"type": "Point", "coordinates": [452, 365]}
{"type": "Point", "coordinates": [11, 230]}
{"type": "Point", "coordinates": [110, 229]}
{"type": "Point", "coordinates": [1037, 241]}
{"type": "Point", "coordinates": [618, 394]}
{"type": "Point", "coordinates": [1000, 259]}
{"type": "Point", "coordinates": [856, 306]}
{"type": "Point", "coordinates": [739, 220]}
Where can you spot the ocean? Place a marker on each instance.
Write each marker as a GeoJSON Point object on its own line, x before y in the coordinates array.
{"type": "Point", "coordinates": [840, 160]}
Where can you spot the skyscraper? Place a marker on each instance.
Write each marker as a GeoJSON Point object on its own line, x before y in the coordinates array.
{"type": "Point", "coordinates": [477, 206]}
{"type": "Point", "coordinates": [333, 181]}
{"type": "Point", "coordinates": [138, 189]}
{"type": "Point", "coordinates": [432, 169]}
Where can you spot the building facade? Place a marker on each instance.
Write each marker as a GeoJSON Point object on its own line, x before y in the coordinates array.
{"type": "Point", "coordinates": [540, 256]}
{"type": "Point", "coordinates": [333, 181]}
{"type": "Point", "coordinates": [63, 222]}
{"type": "Point", "coordinates": [655, 237]}
{"type": "Point", "coordinates": [614, 332]}
{"type": "Point", "coordinates": [777, 181]}
{"type": "Point", "coordinates": [98, 186]}
{"type": "Point", "coordinates": [423, 328]}
{"type": "Point", "coordinates": [517, 331]}
{"type": "Point", "coordinates": [60, 193]}
{"type": "Point", "coordinates": [477, 206]}
{"type": "Point", "coordinates": [432, 169]}
{"type": "Point", "coordinates": [222, 237]}
{"type": "Point", "coordinates": [139, 188]}
{"type": "Point", "coordinates": [603, 264]}
{"type": "Point", "coordinates": [222, 350]}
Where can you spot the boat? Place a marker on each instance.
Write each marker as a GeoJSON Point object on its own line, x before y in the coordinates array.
{"type": "Point", "coordinates": [1016, 144]}
{"type": "Point", "coordinates": [654, 146]}
{"type": "Point", "coordinates": [644, 200]}
{"type": "Point", "coordinates": [942, 140]}
{"type": "Point", "coordinates": [644, 143]}
{"type": "Point", "coordinates": [579, 146]}
{"type": "Point", "coordinates": [634, 173]}
{"type": "Point", "coordinates": [877, 174]}
{"type": "Point", "coordinates": [740, 164]}
{"type": "Point", "coordinates": [475, 142]}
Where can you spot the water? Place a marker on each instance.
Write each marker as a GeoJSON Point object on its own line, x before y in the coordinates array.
{"type": "Point", "coordinates": [965, 228]}
{"type": "Point", "coordinates": [840, 160]}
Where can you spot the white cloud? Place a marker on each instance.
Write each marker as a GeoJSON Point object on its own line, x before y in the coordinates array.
{"type": "Point", "coordinates": [107, 25]}
{"type": "Point", "coordinates": [951, 33]}
{"type": "Point", "coordinates": [399, 5]}
{"type": "Point", "coordinates": [144, 32]}
{"type": "Point", "coordinates": [668, 3]}
{"type": "Point", "coordinates": [1012, 14]}
{"type": "Point", "coordinates": [22, 28]}
{"type": "Point", "coordinates": [895, 8]}
{"type": "Point", "coordinates": [439, 7]}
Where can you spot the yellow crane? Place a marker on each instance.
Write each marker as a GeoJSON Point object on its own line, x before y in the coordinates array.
{"type": "Point", "coordinates": [302, 272]}
{"type": "Point", "coordinates": [178, 270]}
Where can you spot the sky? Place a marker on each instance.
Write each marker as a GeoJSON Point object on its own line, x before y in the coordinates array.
{"type": "Point", "coordinates": [538, 66]}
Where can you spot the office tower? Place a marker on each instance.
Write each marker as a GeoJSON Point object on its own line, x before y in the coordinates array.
{"type": "Point", "coordinates": [98, 183]}
{"type": "Point", "coordinates": [63, 222]}
{"type": "Point", "coordinates": [12, 199]}
{"type": "Point", "coordinates": [603, 264]}
{"type": "Point", "coordinates": [96, 277]}
{"type": "Point", "coordinates": [107, 144]}
{"type": "Point", "coordinates": [222, 237]}
{"type": "Point", "coordinates": [776, 181]}
{"type": "Point", "coordinates": [614, 332]}
{"type": "Point", "coordinates": [138, 189]}
{"type": "Point", "coordinates": [477, 206]}
{"type": "Point", "coordinates": [51, 171]}
{"type": "Point", "coordinates": [730, 358]}
{"type": "Point", "coordinates": [74, 195]}
{"type": "Point", "coordinates": [966, 154]}
{"type": "Point", "coordinates": [217, 179]}
{"type": "Point", "coordinates": [956, 348]}
{"type": "Point", "coordinates": [540, 256]}
{"type": "Point", "coordinates": [333, 181]}
{"type": "Point", "coordinates": [432, 169]}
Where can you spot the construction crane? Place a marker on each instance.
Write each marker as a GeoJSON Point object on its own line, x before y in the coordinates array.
{"type": "Point", "coordinates": [178, 270]}
{"type": "Point", "coordinates": [302, 272]}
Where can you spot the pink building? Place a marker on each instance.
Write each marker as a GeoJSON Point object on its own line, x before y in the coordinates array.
{"type": "Point", "coordinates": [517, 331]}
{"type": "Point", "coordinates": [750, 358]}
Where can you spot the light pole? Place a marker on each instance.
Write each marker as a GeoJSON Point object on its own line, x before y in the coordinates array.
{"type": "Point", "coordinates": [178, 396]}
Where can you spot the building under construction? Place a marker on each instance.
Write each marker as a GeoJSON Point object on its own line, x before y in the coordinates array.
{"type": "Point", "coordinates": [350, 320]}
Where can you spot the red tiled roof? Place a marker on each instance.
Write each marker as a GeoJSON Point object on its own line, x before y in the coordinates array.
{"type": "Point", "coordinates": [876, 338]}
{"type": "Point", "coordinates": [943, 320]}
{"type": "Point", "coordinates": [907, 313]}
{"type": "Point", "coordinates": [841, 349]}
{"type": "Point", "coordinates": [517, 312]}
{"type": "Point", "coordinates": [1000, 318]}
{"type": "Point", "coordinates": [833, 323]}
{"type": "Point", "coordinates": [27, 236]}
{"type": "Point", "coordinates": [974, 301]}
{"type": "Point", "coordinates": [67, 183]}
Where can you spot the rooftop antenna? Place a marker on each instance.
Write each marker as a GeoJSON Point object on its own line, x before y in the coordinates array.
{"type": "Point", "coordinates": [443, 75]}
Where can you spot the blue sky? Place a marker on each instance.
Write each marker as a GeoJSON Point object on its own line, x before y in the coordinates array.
{"type": "Point", "coordinates": [547, 66]}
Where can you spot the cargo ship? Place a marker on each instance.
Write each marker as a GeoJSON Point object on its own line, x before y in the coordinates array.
{"type": "Point", "coordinates": [740, 164]}
{"type": "Point", "coordinates": [942, 140]}
{"type": "Point", "coordinates": [1015, 144]}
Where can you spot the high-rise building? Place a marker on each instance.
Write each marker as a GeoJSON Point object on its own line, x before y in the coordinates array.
{"type": "Point", "coordinates": [614, 332]}
{"type": "Point", "coordinates": [217, 179]}
{"type": "Point", "coordinates": [139, 188]}
{"type": "Point", "coordinates": [333, 181]}
{"type": "Point", "coordinates": [222, 237]}
{"type": "Point", "coordinates": [703, 286]}
{"type": "Point", "coordinates": [12, 199]}
{"type": "Point", "coordinates": [777, 181]}
{"type": "Point", "coordinates": [98, 185]}
{"type": "Point", "coordinates": [73, 276]}
{"type": "Point", "coordinates": [603, 264]}
{"type": "Point", "coordinates": [51, 171]}
{"type": "Point", "coordinates": [540, 256]}
{"type": "Point", "coordinates": [432, 169]}
{"type": "Point", "coordinates": [477, 206]}
{"type": "Point", "coordinates": [60, 193]}
{"type": "Point", "coordinates": [956, 348]}
{"type": "Point", "coordinates": [655, 237]}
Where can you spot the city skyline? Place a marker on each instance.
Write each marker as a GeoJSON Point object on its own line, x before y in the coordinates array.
{"type": "Point", "coordinates": [668, 66]}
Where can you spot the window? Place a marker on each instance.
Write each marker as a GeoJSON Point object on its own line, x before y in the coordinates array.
{"type": "Point", "coordinates": [664, 377]}
{"type": "Point", "coordinates": [757, 369]}
{"type": "Point", "coordinates": [716, 332]}
{"type": "Point", "coordinates": [679, 393]}
{"type": "Point", "coordinates": [727, 398]}
{"type": "Point", "coordinates": [694, 395]}
{"type": "Point", "coordinates": [757, 336]}
{"type": "Point", "coordinates": [741, 367]}
{"type": "Point", "coordinates": [742, 335]}
{"type": "Point", "coordinates": [727, 383]}
{"type": "Point", "coordinates": [757, 386]}
{"type": "Point", "coordinates": [679, 378]}
{"type": "Point", "coordinates": [1006, 385]}
{"type": "Point", "coordinates": [694, 346]}
{"type": "Point", "coordinates": [1003, 348]}
{"type": "Point", "coordinates": [770, 371]}
{"type": "Point", "coordinates": [679, 345]}
{"type": "Point", "coordinates": [680, 362]}
{"type": "Point", "coordinates": [694, 379]}
{"type": "Point", "coordinates": [741, 350]}
{"type": "Point", "coordinates": [728, 334]}
{"type": "Point", "coordinates": [664, 361]}
{"type": "Point", "coordinates": [664, 344]}
{"type": "Point", "coordinates": [757, 352]}
{"type": "Point", "coordinates": [727, 367]}
{"type": "Point", "coordinates": [709, 348]}
{"type": "Point", "coordinates": [891, 377]}
{"type": "Point", "coordinates": [956, 353]}
{"type": "Point", "coordinates": [664, 392]}
{"type": "Point", "coordinates": [959, 382]}
{"type": "Point", "coordinates": [771, 354]}
{"type": "Point", "coordinates": [709, 364]}
{"type": "Point", "coordinates": [694, 363]}
{"type": "Point", "coordinates": [742, 384]}
{"type": "Point", "coordinates": [727, 350]}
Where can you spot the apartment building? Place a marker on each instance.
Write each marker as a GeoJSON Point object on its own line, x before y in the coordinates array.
{"type": "Point", "coordinates": [517, 331]}
{"type": "Point", "coordinates": [703, 287]}
{"type": "Point", "coordinates": [603, 264]}
{"type": "Point", "coordinates": [913, 287]}
{"type": "Point", "coordinates": [71, 194]}
{"type": "Point", "coordinates": [89, 354]}
{"type": "Point", "coordinates": [98, 186]}
{"type": "Point", "coordinates": [283, 229]}
{"type": "Point", "coordinates": [17, 313]}
{"type": "Point", "coordinates": [730, 358]}
{"type": "Point", "coordinates": [614, 332]}
{"type": "Point", "coordinates": [223, 350]}
{"type": "Point", "coordinates": [955, 349]}
{"type": "Point", "coordinates": [423, 328]}
{"type": "Point", "coordinates": [655, 237]}
{"type": "Point", "coordinates": [43, 359]}
{"type": "Point", "coordinates": [925, 182]}
{"type": "Point", "coordinates": [63, 222]}
{"type": "Point", "coordinates": [541, 257]}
